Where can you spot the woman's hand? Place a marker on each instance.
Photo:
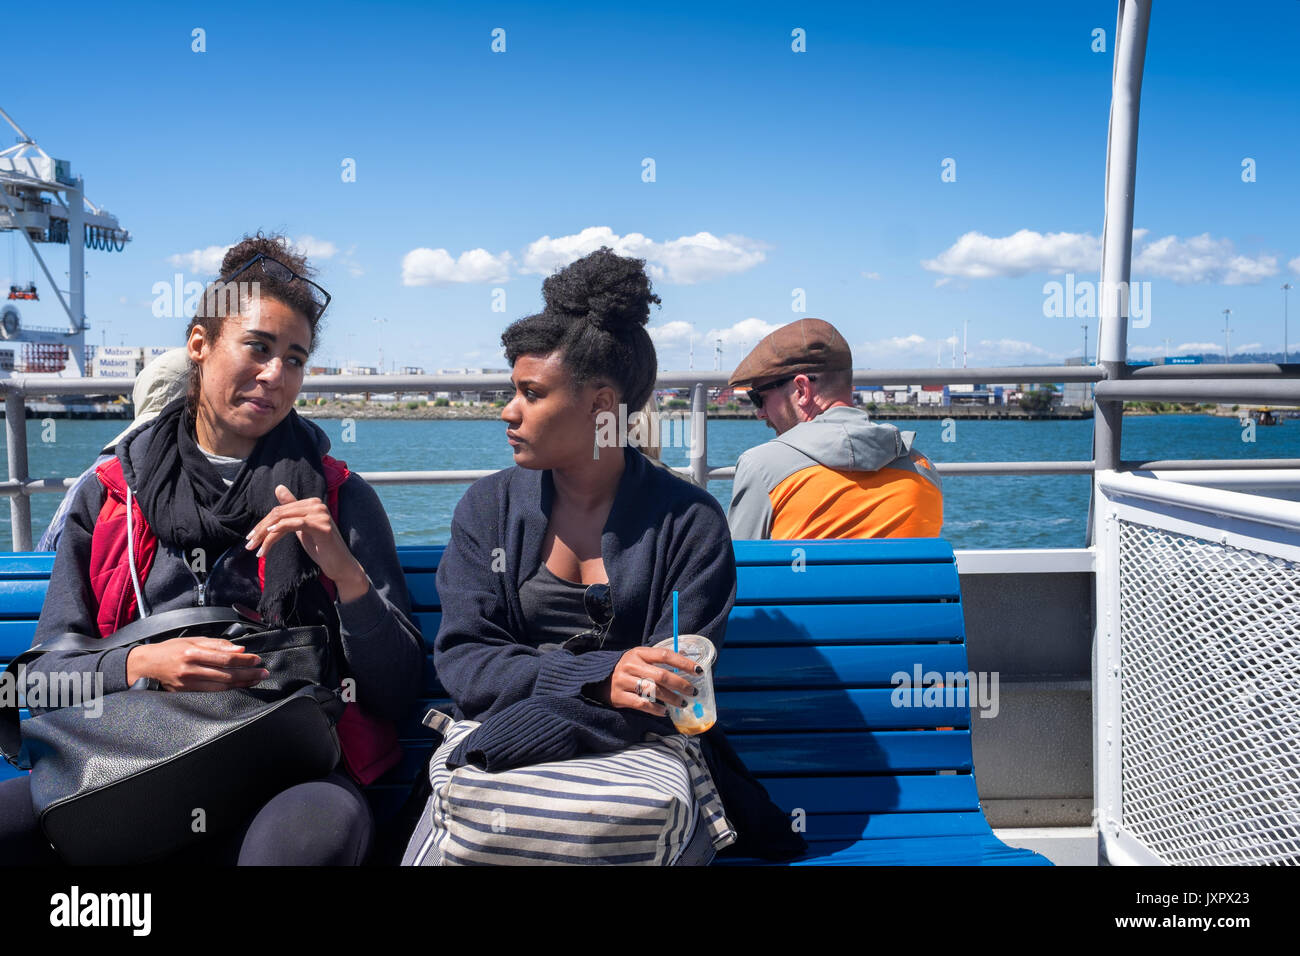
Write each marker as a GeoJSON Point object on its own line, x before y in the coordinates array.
{"type": "Point", "coordinates": [639, 663]}
{"type": "Point", "coordinates": [195, 663]}
{"type": "Point", "coordinates": [311, 521]}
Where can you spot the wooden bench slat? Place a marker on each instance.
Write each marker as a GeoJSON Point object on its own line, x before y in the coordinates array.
{"type": "Point", "coordinates": [27, 562]}
{"type": "Point", "coordinates": [753, 668]}
{"type": "Point", "coordinates": [791, 711]}
{"type": "Point", "coordinates": [893, 826]}
{"type": "Point", "coordinates": [850, 753]}
{"type": "Point", "coordinates": [847, 551]}
{"type": "Point", "coordinates": [845, 583]}
{"type": "Point", "coordinates": [829, 710]}
{"type": "Point", "coordinates": [886, 794]}
{"type": "Point", "coordinates": [915, 851]}
{"type": "Point", "coordinates": [843, 623]}
{"type": "Point", "coordinates": [22, 597]}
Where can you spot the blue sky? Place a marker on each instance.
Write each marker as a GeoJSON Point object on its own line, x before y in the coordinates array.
{"type": "Point", "coordinates": [774, 170]}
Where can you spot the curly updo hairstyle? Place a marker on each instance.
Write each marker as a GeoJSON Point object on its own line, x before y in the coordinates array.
{"type": "Point", "coordinates": [595, 314]}
{"type": "Point", "coordinates": [221, 299]}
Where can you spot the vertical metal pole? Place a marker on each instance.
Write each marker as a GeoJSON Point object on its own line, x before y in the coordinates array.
{"type": "Point", "coordinates": [1117, 234]}
{"type": "Point", "coordinates": [1131, 25]}
{"type": "Point", "coordinates": [699, 435]}
{"type": "Point", "coordinates": [20, 506]}
{"type": "Point", "coordinates": [76, 339]}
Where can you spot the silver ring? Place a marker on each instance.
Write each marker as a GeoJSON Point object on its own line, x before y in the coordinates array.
{"type": "Point", "coordinates": [642, 691]}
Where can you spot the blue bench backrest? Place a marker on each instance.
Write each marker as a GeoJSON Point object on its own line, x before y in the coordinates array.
{"type": "Point", "coordinates": [807, 691]}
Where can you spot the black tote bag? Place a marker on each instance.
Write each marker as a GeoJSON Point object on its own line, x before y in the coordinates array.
{"type": "Point", "coordinates": [154, 772]}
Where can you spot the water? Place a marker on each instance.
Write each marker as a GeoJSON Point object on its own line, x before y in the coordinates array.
{"type": "Point", "coordinates": [980, 512]}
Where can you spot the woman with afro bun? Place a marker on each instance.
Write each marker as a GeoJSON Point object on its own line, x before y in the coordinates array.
{"type": "Point", "coordinates": [559, 576]}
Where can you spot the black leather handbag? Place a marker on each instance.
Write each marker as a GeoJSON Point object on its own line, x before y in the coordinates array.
{"type": "Point", "coordinates": [137, 775]}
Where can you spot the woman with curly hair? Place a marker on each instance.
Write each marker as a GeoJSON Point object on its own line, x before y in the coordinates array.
{"type": "Point", "coordinates": [287, 534]}
{"type": "Point", "coordinates": [531, 545]}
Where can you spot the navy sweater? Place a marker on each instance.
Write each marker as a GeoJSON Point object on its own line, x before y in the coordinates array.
{"type": "Point", "coordinates": [662, 533]}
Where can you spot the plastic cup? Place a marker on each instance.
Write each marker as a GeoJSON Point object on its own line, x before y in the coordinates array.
{"type": "Point", "coordinates": [702, 711]}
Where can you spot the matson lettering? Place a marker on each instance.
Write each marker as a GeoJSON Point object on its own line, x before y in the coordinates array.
{"type": "Point", "coordinates": [950, 689]}
{"type": "Point", "coordinates": [75, 908]}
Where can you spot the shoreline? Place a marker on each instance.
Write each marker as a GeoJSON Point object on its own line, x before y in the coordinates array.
{"type": "Point", "coordinates": [400, 411]}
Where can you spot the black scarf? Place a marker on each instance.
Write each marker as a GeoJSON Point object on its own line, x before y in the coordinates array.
{"type": "Point", "coordinates": [188, 505]}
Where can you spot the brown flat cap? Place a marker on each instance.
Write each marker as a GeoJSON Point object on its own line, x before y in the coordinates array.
{"type": "Point", "coordinates": [804, 346]}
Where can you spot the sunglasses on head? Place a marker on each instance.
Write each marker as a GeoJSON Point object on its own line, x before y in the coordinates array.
{"type": "Point", "coordinates": [755, 394]}
{"type": "Point", "coordinates": [598, 601]}
{"type": "Point", "coordinates": [277, 270]}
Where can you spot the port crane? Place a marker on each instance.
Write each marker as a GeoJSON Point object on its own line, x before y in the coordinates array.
{"type": "Point", "coordinates": [42, 200]}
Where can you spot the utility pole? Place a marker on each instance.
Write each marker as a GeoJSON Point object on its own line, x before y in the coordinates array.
{"type": "Point", "coordinates": [1085, 343]}
{"type": "Point", "coordinates": [1227, 336]}
{"type": "Point", "coordinates": [381, 342]}
{"type": "Point", "coordinates": [965, 333]}
{"type": "Point", "coordinates": [1286, 287]}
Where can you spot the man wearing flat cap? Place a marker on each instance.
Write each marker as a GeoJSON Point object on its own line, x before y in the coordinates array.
{"type": "Point", "coordinates": [831, 472]}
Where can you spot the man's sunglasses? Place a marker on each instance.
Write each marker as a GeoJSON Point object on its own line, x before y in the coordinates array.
{"type": "Point", "coordinates": [277, 270]}
{"type": "Point", "coordinates": [755, 394]}
{"type": "Point", "coordinates": [598, 601]}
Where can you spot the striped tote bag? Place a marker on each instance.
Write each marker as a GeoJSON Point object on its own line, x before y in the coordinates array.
{"type": "Point", "coordinates": [637, 807]}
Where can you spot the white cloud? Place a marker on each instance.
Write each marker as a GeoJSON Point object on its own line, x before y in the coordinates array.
{"type": "Point", "coordinates": [1143, 351]}
{"type": "Point", "coordinates": [1197, 259]}
{"type": "Point", "coordinates": [1187, 347]}
{"type": "Point", "coordinates": [898, 351]}
{"type": "Point", "coordinates": [205, 261]}
{"type": "Point", "coordinates": [1201, 259]}
{"type": "Point", "coordinates": [977, 256]}
{"type": "Point", "coordinates": [670, 333]}
{"type": "Point", "coordinates": [1294, 265]}
{"type": "Point", "coordinates": [437, 267]}
{"type": "Point", "coordinates": [314, 248]}
{"type": "Point", "coordinates": [685, 260]}
{"type": "Point", "coordinates": [917, 351]}
{"type": "Point", "coordinates": [871, 275]}
{"type": "Point", "coordinates": [1014, 347]}
{"type": "Point", "coordinates": [746, 332]}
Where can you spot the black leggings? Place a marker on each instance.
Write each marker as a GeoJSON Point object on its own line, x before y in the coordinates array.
{"type": "Point", "coordinates": [324, 822]}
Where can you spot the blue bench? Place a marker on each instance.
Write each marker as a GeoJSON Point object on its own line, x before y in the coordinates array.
{"type": "Point", "coordinates": [806, 693]}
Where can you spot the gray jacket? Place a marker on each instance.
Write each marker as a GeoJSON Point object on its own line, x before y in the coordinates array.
{"type": "Point", "coordinates": [839, 457]}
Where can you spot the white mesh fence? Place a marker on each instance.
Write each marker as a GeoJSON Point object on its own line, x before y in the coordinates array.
{"type": "Point", "coordinates": [1209, 700]}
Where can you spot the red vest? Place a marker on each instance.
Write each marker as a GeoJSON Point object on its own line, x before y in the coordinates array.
{"type": "Point", "coordinates": [370, 745]}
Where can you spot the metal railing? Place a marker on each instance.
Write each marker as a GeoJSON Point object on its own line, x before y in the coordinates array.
{"type": "Point", "coordinates": [1274, 384]}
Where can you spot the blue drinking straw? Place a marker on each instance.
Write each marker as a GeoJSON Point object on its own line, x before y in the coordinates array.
{"type": "Point", "coordinates": [674, 622]}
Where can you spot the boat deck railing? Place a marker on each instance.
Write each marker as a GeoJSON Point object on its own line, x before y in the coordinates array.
{"type": "Point", "coordinates": [1263, 383]}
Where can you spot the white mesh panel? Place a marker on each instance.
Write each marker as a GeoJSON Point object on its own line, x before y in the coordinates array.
{"type": "Point", "coordinates": [1210, 699]}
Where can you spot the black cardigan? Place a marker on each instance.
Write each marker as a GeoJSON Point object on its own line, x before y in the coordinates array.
{"type": "Point", "coordinates": [662, 533]}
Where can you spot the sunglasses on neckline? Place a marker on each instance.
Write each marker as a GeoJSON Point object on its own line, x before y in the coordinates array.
{"type": "Point", "coordinates": [598, 601]}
